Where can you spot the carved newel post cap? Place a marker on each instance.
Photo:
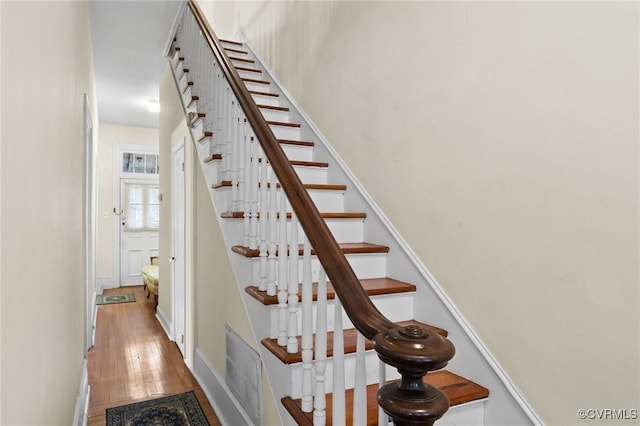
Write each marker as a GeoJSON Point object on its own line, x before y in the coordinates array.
{"type": "Point", "coordinates": [413, 348]}
{"type": "Point", "coordinates": [414, 351]}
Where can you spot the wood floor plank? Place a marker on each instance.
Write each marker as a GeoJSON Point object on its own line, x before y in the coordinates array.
{"type": "Point", "coordinates": [133, 360]}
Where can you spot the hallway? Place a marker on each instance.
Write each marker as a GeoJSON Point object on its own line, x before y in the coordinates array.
{"type": "Point", "coordinates": [133, 360]}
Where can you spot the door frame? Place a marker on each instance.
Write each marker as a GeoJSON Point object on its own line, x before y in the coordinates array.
{"type": "Point", "coordinates": [180, 304]}
{"type": "Point", "coordinates": [120, 148]}
{"type": "Point", "coordinates": [89, 225]}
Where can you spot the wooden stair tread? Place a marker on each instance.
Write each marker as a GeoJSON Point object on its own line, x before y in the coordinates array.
{"type": "Point", "coordinates": [242, 52]}
{"type": "Point", "coordinates": [245, 69]}
{"type": "Point", "coordinates": [275, 108]}
{"type": "Point", "coordinates": [237, 43]}
{"type": "Point", "coordinates": [198, 116]}
{"type": "Point", "coordinates": [213, 157]}
{"type": "Point", "coordinates": [256, 81]}
{"type": "Point", "coordinates": [458, 389]}
{"type": "Point", "coordinates": [325, 215]}
{"type": "Point", "coordinates": [316, 186]}
{"type": "Point", "coordinates": [247, 60]}
{"type": "Point", "coordinates": [205, 135]}
{"type": "Point", "coordinates": [257, 92]}
{"type": "Point", "coordinates": [347, 248]}
{"type": "Point", "coordinates": [282, 123]}
{"type": "Point", "coordinates": [292, 142]}
{"type": "Point", "coordinates": [371, 286]}
{"type": "Point", "coordinates": [350, 336]}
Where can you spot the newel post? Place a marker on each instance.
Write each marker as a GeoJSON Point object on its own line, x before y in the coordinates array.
{"type": "Point", "coordinates": [414, 351]}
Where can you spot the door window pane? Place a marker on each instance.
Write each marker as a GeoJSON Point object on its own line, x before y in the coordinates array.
{"type": "Point", "coordinates": [151, 163]}
{"type": "Point", "coordinates": [153, 210]}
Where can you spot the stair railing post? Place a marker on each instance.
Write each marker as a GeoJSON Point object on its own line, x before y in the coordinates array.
{"type": "Point", "coordinates": [273, 232]}
{"type": "Point", "coordinates": [263, 221]}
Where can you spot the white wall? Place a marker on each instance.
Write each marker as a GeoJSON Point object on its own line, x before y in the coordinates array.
{"type": "Point", "coordinates": [111, 135]}
{"type": "Point", "coordinates": [46, 69]}
{"type": "Point", "coordinates": [507, 136]}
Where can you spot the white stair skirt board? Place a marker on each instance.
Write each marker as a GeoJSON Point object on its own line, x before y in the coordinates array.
{"type": "Point", "coordinates": [82, 400]}
{"type": "Point", "coordinates": [226, 406]}
{"type": "Point", "coordinates": [510, 406]}
{"type": "Point", "coordinates": [167, 326]}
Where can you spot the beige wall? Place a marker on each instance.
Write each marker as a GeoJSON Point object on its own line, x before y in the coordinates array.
{"type": "Point", "coordinates": [508, 136]}
{"type": "Point", "coordinates": [46, 68]}
{"type": "Point", "coordinates": [110, 136]}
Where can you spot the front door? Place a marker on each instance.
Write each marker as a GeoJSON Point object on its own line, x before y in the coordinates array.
{"type": "Point", "coordinates": [139, 226]}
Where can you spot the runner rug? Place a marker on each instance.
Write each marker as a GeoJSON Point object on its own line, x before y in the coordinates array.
{"type": "Point", "coordinates": [176, 410]}
{"type": "Point", "coordinates": [102, 299]}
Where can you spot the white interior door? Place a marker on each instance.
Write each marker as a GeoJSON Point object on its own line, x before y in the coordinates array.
{"type": "Point", "coordinates": [139, 225]}
{"type": "Point", "coordinates": [178, 256]}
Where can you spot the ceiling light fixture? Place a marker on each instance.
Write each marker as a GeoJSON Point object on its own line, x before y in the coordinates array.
{"type": "Point", "coordinates": [153, 106]}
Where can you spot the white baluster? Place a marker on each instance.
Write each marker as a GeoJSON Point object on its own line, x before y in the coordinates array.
{"type": "Point", "coordinates": [338, 402]}
{"type": "Point", "coordinates": [246, 192]}
{"type": "Point", "coordinates": [360, 385]}
{"type": "Point", "coordinates": [237, 160]}
{"type": "Point", "coordinates": [292, 330]}
{"type": "Point", "coordinates": [320, 402]}
{"type": "Point", "coordinates": [383, 419]}
{"type": "Point", "coordinates": [273, 233]}
{"type": "Point", "coordinates": [253, 193]}
{"type": "Point", "coordinates": [282, 270]}
{"type": "Point", "coordinates": [307, 328]}
{"type": "Point", "coordinates": [263, 227]}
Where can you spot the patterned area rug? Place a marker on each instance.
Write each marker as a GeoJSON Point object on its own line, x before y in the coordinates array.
{"type": "Point", "coordinates": [102, 299]}
{"type": "Point", "coordinates": [176, 410]}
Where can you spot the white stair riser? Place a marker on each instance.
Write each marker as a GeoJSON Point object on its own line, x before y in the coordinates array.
{"type": "Point", "coordinates": [396, 307]}
{"type": "Point", "coordinates": [343, 230]}
{"type": "Point", "coordinates": [249, 74]}
{"type": "Point", "coordinates": [372, 366]}
{"type": "Point", "coordinates": [310, 174]}
{"type": "Point", "coordinates": [242, 64]}
{"type": "Point", "coordinates": [469, 414]}
{"type": "Point", "coordinates": [265, 100]}
{"type": "Point", "coordinates": [258, 87]}
{"type": "Point", "coordinates": [286, 132]}
{"type": "Point", "coordinates": [275, 115]}
{"type": "Point", "coordinates": [325, 201]}
{"type": "Point", "coordinates": [364, 265]}
{"type": "Point", "coordinates": [297, 152]}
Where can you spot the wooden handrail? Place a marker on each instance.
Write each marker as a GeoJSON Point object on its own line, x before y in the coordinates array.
{"type": "Point", "coordinates": [413, 350]}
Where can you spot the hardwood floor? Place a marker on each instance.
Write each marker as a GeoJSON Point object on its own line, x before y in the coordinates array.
{"type": "Point", "coordinates": [133, 360]}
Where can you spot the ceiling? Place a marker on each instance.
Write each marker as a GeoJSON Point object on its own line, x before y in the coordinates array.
{"type": "Point", "coordinates": [129, 38]}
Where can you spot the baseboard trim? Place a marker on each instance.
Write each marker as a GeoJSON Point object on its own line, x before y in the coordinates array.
{"type": "Point", "coordinates": [164, 322]}
{"type": "Point", "coordinates": [82, 401]}
{"type": "Point", "coordinates": [224, 403]}
{"type": "Point", "coordinates": [106, 282]}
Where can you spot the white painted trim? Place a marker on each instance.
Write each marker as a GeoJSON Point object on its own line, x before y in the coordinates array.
{"type": "Point", "coordinates": [106, 282]}
{"type": "Point", "coordinates": [224, 403]}
{"type": "Point", "coordinates": [82, 401]}
{"type": "Point", "coordinates": [174, 28]}
{"type": "Point", "coordinates": [118, 149]}
{"type": "Point", "coordinates": [453, 309]}
{"type": "Point", "coordinates": [167, 326]}
{"type": "Point", "coordinates": [180, 145]}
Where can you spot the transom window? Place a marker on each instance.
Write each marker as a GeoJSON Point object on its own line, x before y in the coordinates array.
{"type": "Point", "coordinates": [142, 207]}
{"type": "Point", "coordinates": [133, 162]}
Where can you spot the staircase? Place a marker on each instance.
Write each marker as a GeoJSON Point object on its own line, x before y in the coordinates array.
{"type": "Point", "coordinates": [273, 260]}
